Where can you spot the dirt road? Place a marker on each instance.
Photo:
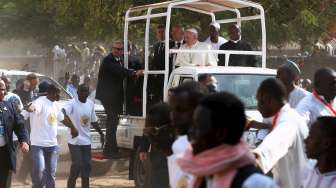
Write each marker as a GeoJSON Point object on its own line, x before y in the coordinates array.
{"type": "Point", "coordinates": [117, 177]}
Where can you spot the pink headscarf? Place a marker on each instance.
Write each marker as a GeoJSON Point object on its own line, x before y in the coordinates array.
{"type": "Point", "coordinates": [221, 162]}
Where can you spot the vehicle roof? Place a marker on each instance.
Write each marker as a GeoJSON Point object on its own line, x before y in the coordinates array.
{"type": "Point", "coordinates": [17, 72]}
{"type": "Point", "coordinates": [226, 70]}
{"type": "Point", "coordinates": [204, 5]}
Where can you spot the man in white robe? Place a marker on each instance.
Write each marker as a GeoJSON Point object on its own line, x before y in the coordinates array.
{"type": "Point", "coordinates": [195, 59]}
{"type": "Point", "coordinates": [288, 73]}
{"type": "Point", "coordinates": [321, 102]}
{"type": "Point", "coordinates": [282, 150]}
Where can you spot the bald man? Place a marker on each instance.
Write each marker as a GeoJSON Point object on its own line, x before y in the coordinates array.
{"type": "Point", "coordinates": [321, 102]}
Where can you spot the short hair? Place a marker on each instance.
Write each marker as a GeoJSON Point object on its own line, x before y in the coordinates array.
{"type": "Point", "coordinates": [194, 90]}
{"type": "Point", "coordinates": [52, 89]}
{"type": "Point", "coordinates": [31, 76]}
{"type": "Point", "coordinates": [203, 77]}
{"type": "Point", "coordinates": [178, 26]}
{"type": "Point", "coordinates": [226, 111]}
{"type": "Point", "coordinates": [82, 87]}
{"type": "Point", "coordinates": [320, 74]}
{"type": "Point", "coordinates": [74, 76]}
{"type": "Point", "coordinates": [235, 26]}
{"type": "Point", "coordinates": [43, 87]}
{"type": "Point", "coordinates": [117, 42]}
{"type": "Point", "coordinates": [19, 83]}
{"type": "Point", "coordinates": [274, 88]}
{"type": "Point", "coordinates": [158, 114]}
{"type": "Point", "coordinates": [327, 125]}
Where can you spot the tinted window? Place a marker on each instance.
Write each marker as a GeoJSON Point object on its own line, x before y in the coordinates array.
{"type": "Point", "coordinates": [244, 86]}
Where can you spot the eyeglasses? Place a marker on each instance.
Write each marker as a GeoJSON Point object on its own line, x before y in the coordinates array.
{"type": "Point", "coordinates": [153, 130]}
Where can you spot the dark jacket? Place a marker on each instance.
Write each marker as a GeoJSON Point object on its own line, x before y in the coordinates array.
{"type": "Point", "coordinates": [13, 121]}
{"type": "Point", "coordinates": [110, 81]}
{"type": "Point", "coordinates": [237, 60]}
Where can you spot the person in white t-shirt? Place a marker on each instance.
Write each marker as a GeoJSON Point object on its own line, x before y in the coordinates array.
{"type": "Point", "coordinates": [214, 39]}
{"type": "Point", "coordinates": [44, 116]}
{"type": "Point", "coordinates": [322, 101]}
{"type": "Point", "coordinates": [321, 146]}
{"type": "Point", "coordinates": [82, 114]}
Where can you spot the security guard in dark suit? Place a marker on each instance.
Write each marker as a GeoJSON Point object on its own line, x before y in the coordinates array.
{"type": "Point", "coordinates": [10, 120]}
{"type": "Point", "coordinates": [110, 92]}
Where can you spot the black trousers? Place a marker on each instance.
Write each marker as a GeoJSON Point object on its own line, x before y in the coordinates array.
{"type": "Point", "coordinates": [5, 169]}
{"type": "Point", "coordinates": [112, 110]}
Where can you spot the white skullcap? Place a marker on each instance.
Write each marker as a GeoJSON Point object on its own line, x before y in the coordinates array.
{"type": "Point", "coordinates": [192, 30]}
{"type": "Point", "coordinates": [215, 24]}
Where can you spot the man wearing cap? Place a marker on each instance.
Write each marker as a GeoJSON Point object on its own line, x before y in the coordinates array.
{"type": "Point", "coordinates": [195, 59]}
{"type": "Point", "coordinates": [288, 73]}
{"type": "Point", "coordinates": [214, 39]}
{"type": "Point", "coordinates": [235, 43]}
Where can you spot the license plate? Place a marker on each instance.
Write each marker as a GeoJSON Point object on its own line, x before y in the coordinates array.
{"type": "Point", "coordinates": [95, 142]}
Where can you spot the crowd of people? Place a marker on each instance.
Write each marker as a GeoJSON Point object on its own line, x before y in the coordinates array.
{"type": "Point", "coordinates": [32, 113]}
{"type": "Point", "coordinates": [193, 140]}
{"type": "Point", "coordinates": [196, 138]}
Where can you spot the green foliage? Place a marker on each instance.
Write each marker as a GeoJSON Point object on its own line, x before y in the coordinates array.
{"type": "Point", "coordinates": [62, 21]}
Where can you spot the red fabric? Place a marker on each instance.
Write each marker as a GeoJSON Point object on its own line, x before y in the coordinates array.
{"type": "Point", "coordinates": [221, 162]}
{"type": "Point", "coordinates": [329, 106]}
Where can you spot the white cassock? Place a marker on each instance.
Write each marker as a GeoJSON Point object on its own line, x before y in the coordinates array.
{"type": "Point", "coordinates": [196, 59]}
{"type": "Point", "coordinates": [283, 149]}
{"type": "Point", "coordinates": [177, 177]}
{"type": "Point", "coordinates": [296, 96]}
{"type": "Point", "coordinates": [310, 108]}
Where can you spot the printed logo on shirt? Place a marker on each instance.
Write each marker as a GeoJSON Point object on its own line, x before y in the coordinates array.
{"type": "Point", "coordinates": [52, 119]}
{"type": "Point", "coordinates": [84, 120]}
{"type": "Point", "coordinates": [182, 183]}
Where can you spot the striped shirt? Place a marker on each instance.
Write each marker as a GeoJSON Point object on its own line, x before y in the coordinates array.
{"type": "Point", "coordinates": [314, 179]}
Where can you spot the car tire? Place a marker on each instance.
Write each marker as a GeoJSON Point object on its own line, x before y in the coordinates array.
{"type": "Point", "coordinates": [141, 171]}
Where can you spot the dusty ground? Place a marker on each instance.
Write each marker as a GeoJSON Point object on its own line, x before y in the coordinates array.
{"type": "Point", "coordinates": [117, 177]}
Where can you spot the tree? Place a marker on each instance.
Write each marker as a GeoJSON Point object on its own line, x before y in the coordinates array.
{"type": "Point", "coordinates": [50, 22]}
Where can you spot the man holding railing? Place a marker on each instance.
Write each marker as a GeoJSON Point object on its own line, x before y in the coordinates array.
{"type": "Point", "coordinates": [235, 43]}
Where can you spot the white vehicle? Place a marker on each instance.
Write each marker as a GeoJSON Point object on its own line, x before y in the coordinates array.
{"type": "Point", "coordinates": [242, 81]}
{"type": "Point", "coordinates": [98, 167]}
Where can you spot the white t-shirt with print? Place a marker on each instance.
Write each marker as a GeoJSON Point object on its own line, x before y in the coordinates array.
{"type": "Point", "coordinates": [81, 115]}
{"type": "Point", "coordinates": [43, 122]}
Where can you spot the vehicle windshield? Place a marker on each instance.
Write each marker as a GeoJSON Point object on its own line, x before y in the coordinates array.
{"type": "Point", "coordinates": [63, 95]}
{"type": "Point", "coordinates": [242, 85]}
